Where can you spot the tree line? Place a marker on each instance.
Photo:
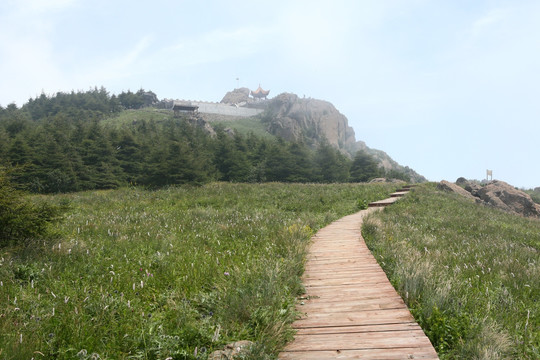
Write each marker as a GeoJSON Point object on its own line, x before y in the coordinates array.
{"type": "Point", "coordinates": [60, 143]}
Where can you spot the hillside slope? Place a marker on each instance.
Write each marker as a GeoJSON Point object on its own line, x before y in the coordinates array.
{"type": "Point", "coordinates": [469, 272]}
{"type": "Point", "coordinates": [313, 121]}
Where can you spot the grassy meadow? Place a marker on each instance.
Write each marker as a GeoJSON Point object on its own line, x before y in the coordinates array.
{"type": "Point", "coordinates": [167, 274]}
{"type": "Point", "coordinates": [470, 274]}
{"type": "Point", "coordinates": [128, 117]}
{"type": "Point", "coordinates": [245, 126]}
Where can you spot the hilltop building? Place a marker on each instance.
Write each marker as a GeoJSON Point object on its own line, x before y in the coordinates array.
{"type": "Point", "coordinates": [180, 107]}
{"type": "Point", "coordinates": [259, 93]}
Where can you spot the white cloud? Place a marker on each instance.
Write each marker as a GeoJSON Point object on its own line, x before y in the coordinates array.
{"type": "Point", "coordinates": [488, 21]}
{"type": "Point", "coordinates": [215, 46]}
{"type": "Point", "coordinates": [120, 66]}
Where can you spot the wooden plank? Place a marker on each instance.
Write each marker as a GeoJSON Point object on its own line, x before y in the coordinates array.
{"type": "Point", "coordinates": [351, 305]}
{"type": "Point", "coordinates": [373, 317]}
{"type": "Point", "coordinates": [342, 273]}
{"type": "Point", "coordinates": [359, 328]}
{"type": "Point", "coordinates": [399, 194]}
{"type": "Point", "coordinates": [373, 354]}
{"type": "Point", "coordinates": [384, 202]}
{"type": "Point", "coordinates": [320, 267]}
{"type": "Point", "coordinates": [356, 290]}
{"type": "Point", "coordinates": [344, 280]}
{"type": "Point", "coordinates": [354, 341]}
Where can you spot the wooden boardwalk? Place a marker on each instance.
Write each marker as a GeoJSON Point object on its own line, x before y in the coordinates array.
{"type": "Point", "coordinates": [351, 311]}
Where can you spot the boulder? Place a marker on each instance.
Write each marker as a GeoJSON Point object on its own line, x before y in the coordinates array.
{"type": "Point", "coordinates": [451, 187]}
{"type": "Point", "coordinates": [506, 197]}
{"type": "Point", "coordinates": [462, 181]}
{"type": "Point", "coordinates": [231, 351]}
{"type": "Point", "coordinates": [237, 96]}
{"type": "Point", "coordinates": [378, 180]}
{"type": "Point", "coordinates": [473, 188]}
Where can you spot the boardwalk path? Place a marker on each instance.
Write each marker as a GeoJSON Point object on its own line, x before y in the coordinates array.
{"type": "Point", "coordinates": [351, 310]}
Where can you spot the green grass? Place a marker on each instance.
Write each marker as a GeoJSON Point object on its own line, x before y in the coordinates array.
{"type": "Point", "coordinates": [177, 273]}
{"type": "Point", "coordinates": [535, 195]}
{"type": "Point", "coordinates": [469, 273]}
{"type": "Point", "coordinates": [245, 126]}
{"type": "Point", "coordinates": [128, 117]}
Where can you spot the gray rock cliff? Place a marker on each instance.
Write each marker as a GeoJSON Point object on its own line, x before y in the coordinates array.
{"type": "Point", "coordinates": [314, 121]}
{"type": "Point", "coordinates": [293, 118]}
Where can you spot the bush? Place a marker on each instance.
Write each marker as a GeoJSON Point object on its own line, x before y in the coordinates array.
{"type": "Point", "coordinates": [21, 220]}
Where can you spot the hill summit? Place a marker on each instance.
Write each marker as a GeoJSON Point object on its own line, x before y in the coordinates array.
{"type": "Point", "coordinates": [313, 121]}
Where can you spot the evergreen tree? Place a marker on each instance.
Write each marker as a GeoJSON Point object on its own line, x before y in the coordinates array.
{"type": "Point", "coordinates": [155, 171]}
{"type": "Point", "coordinates": [131, 100]}
{"type": "Point", "coordinates": [180, 164]}
{"type": "Point", "coordinates": [332, 166]}
{"type": "Point", "coordinates": [229, 159]}
{"type": "Point", "coordinates": [396, 174]}
{"type": "Point", "coordinates": [364, 167]}
{"type": "Point", "coordinates": [279, 165]}
{"type": "Point", "coordinates": [102, 167]}
{"type": "Point", "coordinates": [302, 163]}
{"type": "Point", "coordinates": [130, 156]}
{"type": "Point", "coordinates": [19, 153]}
{"type": "Point", "coordinates": [4, 145]}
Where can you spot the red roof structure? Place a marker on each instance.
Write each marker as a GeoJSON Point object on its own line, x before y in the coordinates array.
{"type": "Point", "coordinates": [259, 93]}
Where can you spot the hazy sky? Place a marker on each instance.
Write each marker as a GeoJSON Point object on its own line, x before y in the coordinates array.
{"type": "Point", "coordinates": [449, 88]}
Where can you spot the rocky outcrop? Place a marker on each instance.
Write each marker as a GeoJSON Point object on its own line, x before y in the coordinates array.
{"type": "Point", "coordinates": [451, 187]}
{"type": "Point", "coordinates": [387, 163]}
{"type": "Point", "coordinates": [237, 96]}
{"type": "Point", "coordinates": [314, 121]}
{"type": "Point", "coordinates": [497, 194]}
{"type": "Point", "coordinates": [199, 122]}
{"type": "Point", "coordinates": [232, 351]}
{"type": "Point", "coordinates": [506, 197]}
{"type": "Point", "coordinates": [472, 188]}
{"type": "Point", "coordinates": [462, 181]}
{"type": "Point", "coordinates": [293, 118]}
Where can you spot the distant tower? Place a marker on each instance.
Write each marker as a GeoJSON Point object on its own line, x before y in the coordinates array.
{"type": "Point", "coordinates": [259, 93]}
{"type": "Point", "coordinates": [489, 175]}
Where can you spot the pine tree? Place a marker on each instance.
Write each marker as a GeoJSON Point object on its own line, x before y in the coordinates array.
{"type": "Point", "coordinates": [302, 163]}
{"type": "Point", "coordinates": [279, 163]}
{"type": "Point", "coordinates": [229, 159]}
{"type": "Point", "coordinates": [332, 166]}
{"type": "Point", "coordinates": [364, 167]}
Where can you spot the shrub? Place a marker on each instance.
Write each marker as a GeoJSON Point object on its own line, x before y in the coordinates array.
{"type": "Point", "coordinates": [22, 221]}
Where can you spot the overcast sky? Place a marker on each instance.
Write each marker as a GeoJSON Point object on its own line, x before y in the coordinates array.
{"type": "Point", "coordinates": [449, 88]}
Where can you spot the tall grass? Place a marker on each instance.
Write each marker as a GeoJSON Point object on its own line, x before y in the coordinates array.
{"type": "Point", "coordinates": [174, 273]}
{"type": "Point", "coordinates": [470, 274]}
